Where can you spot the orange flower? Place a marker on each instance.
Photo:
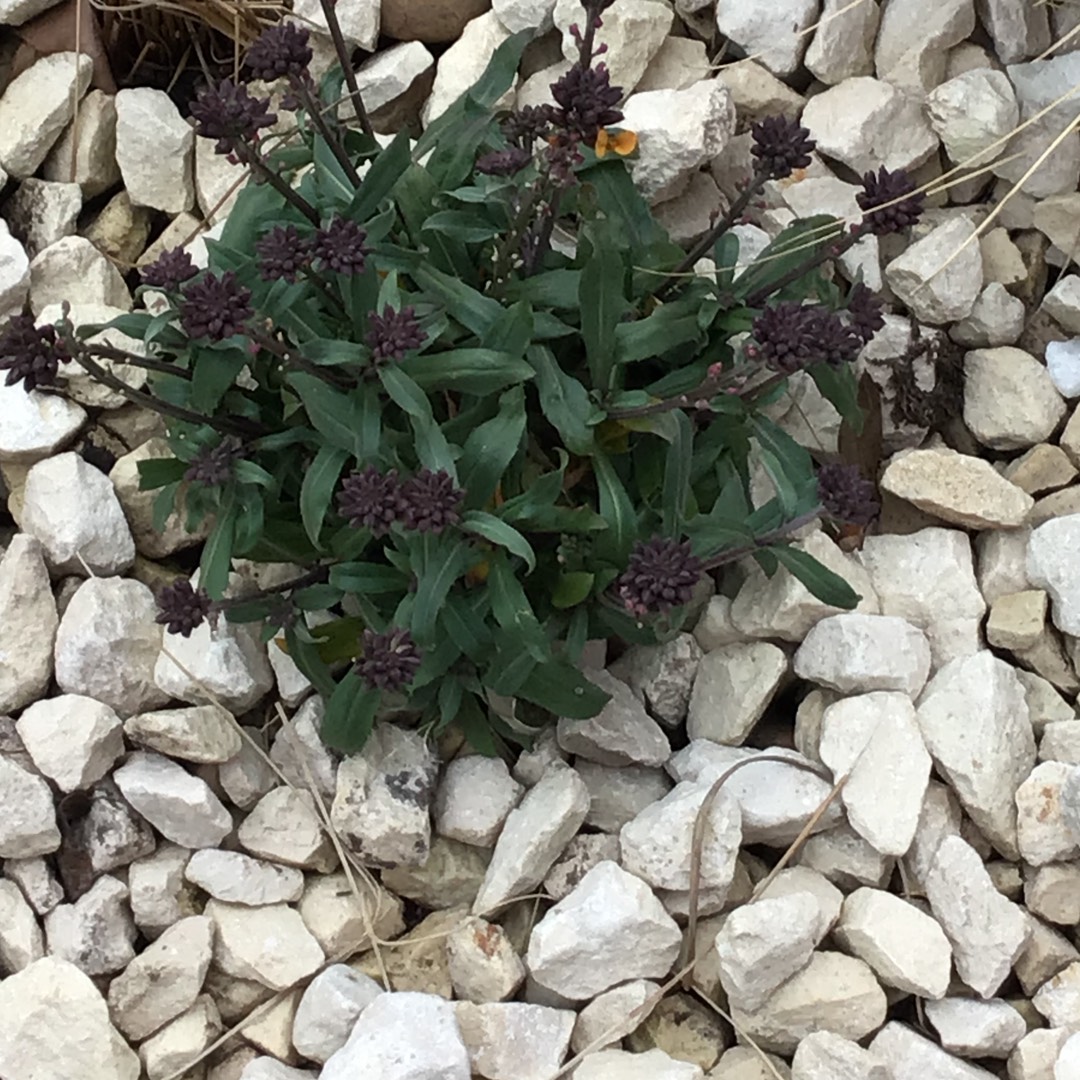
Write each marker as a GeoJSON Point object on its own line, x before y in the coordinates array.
{"type": "Point", "coordinates": [622, 142]}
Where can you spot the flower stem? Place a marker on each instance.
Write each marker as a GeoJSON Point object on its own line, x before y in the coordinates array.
{"type": "Point", "coordinates": [345, 59]}
{"type": "Point", "coordinates": [122, 356]}
{"type": "Point", "coordinates": [251, 158]}
{"type": "Point", "coordinates": [332, 141]}
{"type": "Point", "coordinates": [829, 251]}
{"type": "Point", "coordinates": [315, 576]}
{"type": "Point", "coordinates": [763, 541]}
{"type": "Point", "coordinates": [296, 360]}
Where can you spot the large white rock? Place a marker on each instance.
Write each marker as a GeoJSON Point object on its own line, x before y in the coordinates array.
{"type": "Point", "coordinates": [622, 733]}
{"type": "Point", "coordinates": [481, 960]}
{"type": "Point", "coordinates": [108, 643]}
{"type": "Point", "coordinates": [227, 659]}
{"type": "Point", "coordinates": [940, 276]}
{"type": "Point", "coordinates": [269, 944]}
{"type": "Point", "coordinates": [237, 878]}
{"type": "Point", "coordinates": [473, 799]}
{"type": "Point", "coordinates": [633, 30]}
{"type": "Point", "coordinates": [1043, 828]}
{"type": "Point", "coordinates": [1051, 565]}
{"type": "Point", "coordinates": [823, 1055]}
{"type": "Point", "coordinates": [906, 948]}
{"type": "Point", "coordinates": [388, 73]}
{"type": "Point", "coordinates": [21, 939]}
{"type": "Point", "coordinates": [865, 123]}
{"type": "Point", "coordinates": [976, 1029]}
{"type": "Point", "coordinates": [914, 1057]}
{"type": "Point", "coordinates": [73, 269]}
{"type": "Point", "coordinates": [654, 1064]}
{"type": "Point", "coordinates": [775, 799]}
{"type": "Point", "coordinates": [678, 132]}
{"type": "Point", "coordinates": [971, 113]}
{"type": "Point", "coordinates": [34, 425]}
{"type": "Point", "coordinates": [914, 39]}
{"type": "Point", "coordinates": [1018, 32]}
{"type": "Point", "coordinates": [610, 929]}
{"type": "Point", "coordinates": [36, 106]}
{"type": "Point", "coordinates": [662, 676]}
{"type": "Point", "coordinates": [57, 1026]}
{"type": "Point", "coordinates": [613, 1014]}
{"type": "Point", "coordinates": [512, 1040]}
{"type": "Point", "coordinates": [994, 377]}
{"type": "Point", "coordinates": [928, 578]}
{"type": "Point", "coordinates": [463, 63]}
{"type": "Point", "coordinates": [163, 980]}
{"type": "Point", "coordinates": [843, 44]}
{"type": "Point", "coordinates": [90, 146]}
{"type": "Point", "coordinates": [72, 509]}
{"type": "Point", "coordinates": [858, 653]}
{"type": "Point", "coordinates": [957, 488]}
{"type": "Point", "coordinates": [27, 817]}
{"type": "Point", "coordinates": [359, 21]}
{"type": "Point", "coordinates": [657, 845]}
{"type": "Point", "coordinates": [300, 753]}
{"type": "Point", "coordinates": [974, 720]}
{"type": "Point", "coordinates": [987, 931]}
{"type": "Point", "coordinates": [403, 1036]}
{"type": "Point", "coordinates": [14, 273]}
{"type": "Point", "coordinates": [96, 932]}
{"type": "Point", "coordinates": [284, 826]}
{"type": "Point", "coordinates": [533, 837]}
{"type": "Point", "coordinates": [180, 806]}
{"type": "Point", "coordinates": [833, 992]}
{"type": "Point", "coordinates": [28, 622]}
{"type": "Point", "coordinates": [618, 795]}
{"type": "Point", "coordinates": [202, 733]}
{"type": "Point", "coordinates": [775, 35]}
{"type": "Point", "coordinates": [329, 1008]}
{"type": "Point", "coordinates": [763, 944]}
{"type": "Point", "coordinates": [155, 149]}
{"type": "Point", "coordinates": [72, 739]}
{"type": "Point", "coordinates": [874, 740]}
{"type": "Point", "coordinates": [732, 689]}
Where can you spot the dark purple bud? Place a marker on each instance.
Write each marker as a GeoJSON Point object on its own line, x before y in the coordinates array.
{"type": "Point", "coordinates": [283, 253]}
{"type": "Point", "coordinates": [215, 307]}
{"type": "Point", "coordinates": [215, 465]}
{"type": "Point", "coordinates": [31, 354]}
{"type": "Point", "coordinates": [341, 247]}
{"type": "Point", "coordinates": [781, 145]}
{"type": "Point", "coordinates": [660, 575]}
{"type": "Point", "coordinates": [387, 661]}
{"type": "Point", "coordinates": [430, 501]}
{"type": "Point", "coordinates": [845, 496]}
{"type": "Point", "coordinates": [371, 500]}
{"type": "Point", "coordinates": [169, 270]}
{"type": "Point", "coordinates": [889, 201]}
{"type": "Point", "coordinates": [228, 113]}
{"type": "Point", "coordinates": [280, 50]}
{"type": "Point", "coordinates": [182, 608]}
{"type": "Point", "coordinates": [394, 333]}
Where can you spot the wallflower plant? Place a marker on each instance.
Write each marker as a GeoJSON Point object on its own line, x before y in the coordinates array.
{"type": "Point", "coordinates": [475, 393]}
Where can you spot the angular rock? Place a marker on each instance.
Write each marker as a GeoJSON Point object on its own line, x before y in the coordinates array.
{"type": "Point", "coordinates": [34, 425]}
{"type": "Point", "coordinates": [997, 318]}
{"type": "Point", "coordinates": [482, 962]}
{"type": "Point", "coordinates": [204, 734]}
{"type": "Point", "coordinates": [343, 916]}
{"type": "Point", "coordinates": [874, 740]}
{"type": "Point", "coordinates": [913, 1057]}
{"type": "Point", "coordinates": [846, 859]}
{"type": "Point", "coordinates": [155, 150]}
{"type": "Point", "coordinates": [618, 795]}
{"type": "Point", "coordinates": [36, 880]}
{"type": "Point", "coordinates": [584, 852]}
{"type": "Point", "coordinates": [993, 376]}
{"type": "Point", "coordinates": [906, 948]}
{"type": "Point", "coordinates": [777, 37]}
{"type": "Point", "coordinates": [834, 993]}
{"type": "Point", "coordinates": [652, 1065]}
{"type": "Point", "coordinates": [935, 289]}
{"type": "Point", "coordinates": [40, 213]}
{"type": "Point", "coordinates": [269, 944]}
{"type": "Point", "coordinates": [1049, 565]}
{"type": "Point", "coordinates": [473, 799]}
{"type": "Point", "coordinates": [381, 806]}
{"type": "Point", "coordinates": [72, 739]}
{"type": "Point", "coordinates": [328, 1010]}
{"type": "Point", "coordinates": [971, 113]}
{"type": "Point", "coordinates": [464, 62]}
{"type": "Point", "coordinates": [974, 721]}
{"type": "Point", "coordinates": [611, 928]}
{"type": "Point", "coordinates": [1045, 467]}
{"type": "Point", "coordinates": [678, 132]}
{"type": "Point", "coordinates": [159, 895]}
{"type": "Point", "coordinates": [866, 123]}
{"type": "Point", "coordinates": [71, 508]}
{"type": "Point", "coordinates": [657, 845]}
{"type": "Point", "coordinates": [1045, 832]}
{"type": "Point", "coordinates": [763, 944]}
{"type": "Point", "coordinates": [89, 146]}
{"type": "Point", "coordinates": [246, 777]}
{"type": "Point", "coordinates": [733, 687]}
{"type": "Point", "coordinates": [825, 1056]}
{"type": "Point", "coordinates": [73, 268]}
{"type": "Point", "coordinates": [633, 32]}
{"type": "Point", "coordinates": [976, 1029]}
{"type": "Point", "coordinates": [236, 878]}
{"type": "Point", "coordinates": [14, 272]}
{"type": "Point", "coordinates": [163, 980]}
{"type": "Point", "coordinates": [28, 622]}
{"type": "Point", "coordinates": [451, 877]}
{"type": "Point", "coordinates": [622, 733]}
{"type": "Point", "coordinates": [36, 106]}
{"type": "Point", "coordinates": [180, 806]}
{"type": "Point", "coordinates": [21, 940]}
{"type": "Point", "coordinates": [957, 488]}
{"type": "Point", "coordinates": [300, 753]}
{"type": "Point", "coordinates": [406, 1036]}
{"type": "Point", "coordinates": [27, 818]}
{"type": "Point", "coordinates": [843, 44]}
{"type": "Point", "coordinates": [181, 1041]}
{"type": "Point", "coordinates": [987, 931]}
{"type": "Point", "coordinates": [860, 653]}
{"type": "Point", "coordinates": [1017, 620]}
{"type": "Point", "coordinates": [96, 933]}
{"type": "Point", "coordinates": [108, 643]}
{"type": "Point", "coordinates": [358, 19]}
{"type": "Point", "coordinates": [513, 1040]}
{"type": "Point", "coordinates": [661, 676]}
{"type": "Point", "coordinates": [54, 1013]}
{"type": "Point", "coordinates": [533, 837]}
{"type": "Point", "coordinates": [285, 827]}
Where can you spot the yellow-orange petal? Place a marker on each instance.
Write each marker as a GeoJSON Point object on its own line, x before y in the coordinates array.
{"type": "Point", "coordinates": [602, 143]}
{"type": "Point", "coordinates": [625, 142]}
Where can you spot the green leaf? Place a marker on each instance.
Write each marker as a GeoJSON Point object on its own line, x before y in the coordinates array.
{"type": "Point", "coordinates": [447, 563]}
{"type": "Point", "coordinates": [255, 205]}
{"type": "Point", "coordinates": [572, 589]}
{"type": "Point", "coordinates": [474, 724]}
{"type": "Point", "coordinates": [561, 688]}
{"type": "Point", "coordinates": [602, 306]}
{"type": "Point", "coordinates": [367, 579]}
{"type": "Point", "coordinates": [385, 171]}
{"type": "Point", "coordinates": [216, 558]}
{"type": "Point", "coordinates": [512, 609]}
{"type": "Point", "coordinates": [469, 228]}
{"type": "Point", "coordinates": [464, 626]}
{"type": "Point", "coordinates": [491, 447]}
{"type": "Point", "coordinates": [622, 203]}
{"type": "Point", "coordinates": [157, 472]}
{"type": "Point", "coordinates": [308, 658]}
{"type": "Point", "coordinates": [549, 289]}
{"type": "Point", "coordinates": [335, 188]}
{"type": "Point", "coordinates": [414, 195]}
{"type": "Point", "coordinates": [838, 385]}
{"type": "Point", "coordinates": [799, 243]}
{"type": "Point", "coordinates": [332, 413]}
{"type": "Point", "coordinates": [474, 310]}
{"type": "Point", "coordinates": [350, 715]}
{"type": "Point", "coordinates": [512, 331]}
{"type": "Point", "coordinates": [499, 532]}
{"type": "Point", "coordinates": [317, 489]}
{"type": "Point", "coordinates": [563, 401]}
{"type": "Point", "coordinates": [164, 504]}
{"type": "Point", "coordinates": [468, 371]}
{"type": "Point", "coordinates": [509, 670]}
{"type": "Point", "coordinates": [829, 587]}
{"type": "Point", "coordinates": [333, 352]}
{"type": "Point", "coordinates": [617, 509]}
{"type": "Point", "coordinates": [726, 258]}
{"type": "Point", "coordinates": [677, 466]}
{"type": "Point", "coordinates": [665, 329]}
{"type": "Point", "coordinates": [317, 597]}
{"type": "Point", "coordinates": [213, 373]}
{"type": "Point", "coordinates": [432, 449]}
